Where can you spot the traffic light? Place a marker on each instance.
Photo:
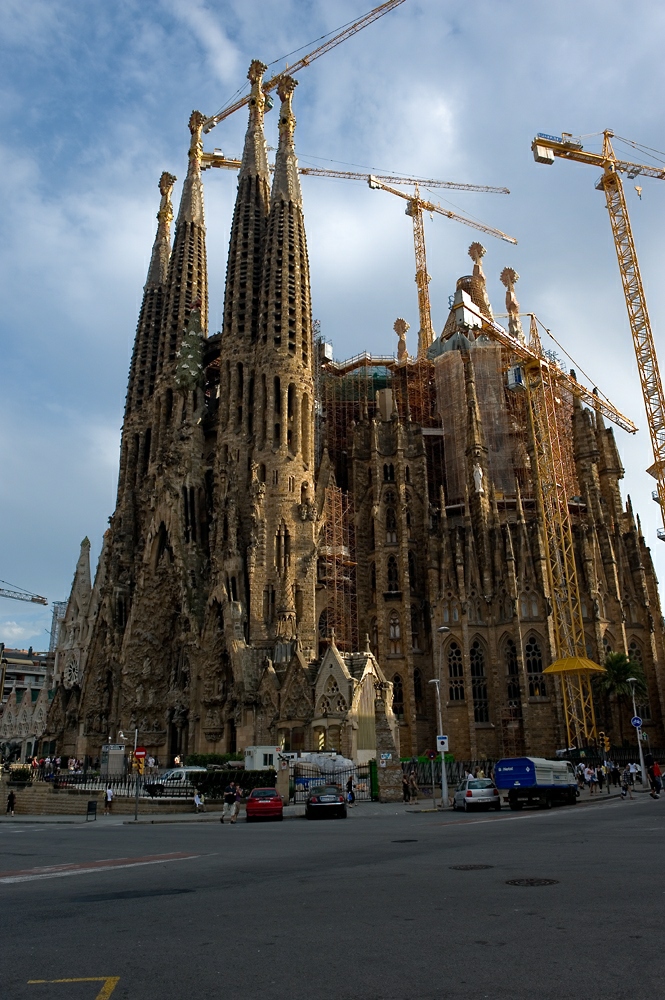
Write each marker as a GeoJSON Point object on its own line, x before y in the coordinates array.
{"type": "Point", "coordinates": [606, 744]}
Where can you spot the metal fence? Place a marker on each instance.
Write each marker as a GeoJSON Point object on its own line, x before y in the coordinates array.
{"type": "Point", "coordinates": [304, 776]}
{"type": "Point", "coordinates": [428, 773]}
{"type": "Point", "coordinates": [124, 785]}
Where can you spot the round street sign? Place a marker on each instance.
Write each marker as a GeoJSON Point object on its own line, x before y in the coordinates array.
{"type": "Point", "coordinates": [636, 721]}
{"type": "Point", "coordinates": [140, 753]}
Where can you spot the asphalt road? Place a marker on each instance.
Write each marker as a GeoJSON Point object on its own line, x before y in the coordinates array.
{"type": "Point", "coordinates": [369, 908]}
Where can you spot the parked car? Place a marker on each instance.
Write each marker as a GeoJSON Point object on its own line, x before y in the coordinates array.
{"type": "Point", "coordinates": [264, 803]}
{"type": "Point", "coordinates": [477, 793]}
{"type": "Point", "coordinates": [325, 800]}
{"type": "Point", "coordinates": [176, 781]}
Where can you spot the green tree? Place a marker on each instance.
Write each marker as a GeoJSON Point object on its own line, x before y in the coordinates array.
{"type": "Point", "coordinates": [613, 684]}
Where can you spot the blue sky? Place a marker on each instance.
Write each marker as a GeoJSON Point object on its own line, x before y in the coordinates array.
{"type": "Point", "coordinates": [94, 101]}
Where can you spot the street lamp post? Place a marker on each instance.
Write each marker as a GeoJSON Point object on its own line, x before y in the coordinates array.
{"type": "Point", "coordinates": [633, 681]}
{"type": "Point", "coordinates": [441, 631]}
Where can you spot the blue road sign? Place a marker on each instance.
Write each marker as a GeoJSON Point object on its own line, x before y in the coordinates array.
{"type": "Point", "coordinates": [636, 721]}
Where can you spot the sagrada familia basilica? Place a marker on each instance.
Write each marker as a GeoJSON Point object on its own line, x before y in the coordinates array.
{"type": "Point", "coordinates": [293, 534]}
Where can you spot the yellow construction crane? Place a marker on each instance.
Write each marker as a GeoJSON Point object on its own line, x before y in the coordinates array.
{"type": "Point", "coordinates": [217, 159]}
{"type": "Point", "coordinates": [17, 594]}
{"type": "Point", "coordinates": [347, 32]}
{"type": "Point", "coordinates": [545, 149]}
{"type": "Point", "coordinates": [544, 382]}
{"type": "Point", "coordinates": [414, 208]}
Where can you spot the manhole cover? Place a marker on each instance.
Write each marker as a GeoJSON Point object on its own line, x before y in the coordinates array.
{"type": "Point", "coordinates": [532, 881]}
{"type": "Point", "coordinates": [408, 841]}
{"type": "Point", "coordinates": [469, 868]}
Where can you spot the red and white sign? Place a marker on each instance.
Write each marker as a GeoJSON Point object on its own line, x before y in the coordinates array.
{"type": "Point", "coordinates": [140, 753]}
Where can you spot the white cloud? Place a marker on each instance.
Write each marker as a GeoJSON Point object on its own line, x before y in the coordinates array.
{"type": "Point", "coordinates": [222, 56]}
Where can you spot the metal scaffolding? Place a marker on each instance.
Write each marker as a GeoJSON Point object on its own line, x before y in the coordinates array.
{"type": "Point", "coordinates": [337, 570]}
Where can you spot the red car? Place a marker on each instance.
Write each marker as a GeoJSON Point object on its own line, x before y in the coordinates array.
{"type": "Point", "coordinates": [264, 803]}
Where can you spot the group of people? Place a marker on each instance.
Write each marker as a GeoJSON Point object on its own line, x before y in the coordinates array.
{"type": "Point", "coordinates": [596, 776]}
{"type": "Point", "coordinates": [609, 774]}
{"type": "Point", "coordinates": [233, 794]}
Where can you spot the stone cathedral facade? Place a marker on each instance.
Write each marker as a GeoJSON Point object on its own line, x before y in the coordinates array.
{"type": "Point", "coordinates": [291, 533]}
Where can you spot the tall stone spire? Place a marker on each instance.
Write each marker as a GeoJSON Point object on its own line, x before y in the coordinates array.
{"type": "Point", "coordinates": [509, 278]}
{"type": "Point", "coordinates": [286, 313]}
{"type": "Point", "coordinates": [286, 185]}
{"type": "Point", "coordinates": [283, 426]}
{"type": "Point", "coordinates": [478, 284]}
{"type": "Point", "coordinates": [146, 342]}
{"type": "Point", "coordinates": [187, 278]}
{"type": "Point", "coordinates": [243, 270]}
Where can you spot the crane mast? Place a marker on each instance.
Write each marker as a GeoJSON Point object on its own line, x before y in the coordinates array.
{"type": "Point", "coordinates": [553, 490]}
{"type": "Point", "coordinates": [414, 208]}
{"type": "Point", "coordinates": [545, 148]}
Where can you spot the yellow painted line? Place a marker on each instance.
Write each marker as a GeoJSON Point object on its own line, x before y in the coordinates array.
{"type": "Point", "coordinates": [110, 983]}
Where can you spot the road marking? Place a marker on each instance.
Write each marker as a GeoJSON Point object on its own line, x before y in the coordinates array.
{"type": "Point", "coordinates": [110, 983]}
{"type": "Point", "coordinates": [536, 814]}
{"type": "Point", "coordinates": [85, 868]}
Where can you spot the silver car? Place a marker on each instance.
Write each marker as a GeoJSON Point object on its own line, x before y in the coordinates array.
{"type": "Point", "coordinates": [477, 793]}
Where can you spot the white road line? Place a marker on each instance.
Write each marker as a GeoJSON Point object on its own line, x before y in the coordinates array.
{"type": "Point", "coordinates": [11, 879]}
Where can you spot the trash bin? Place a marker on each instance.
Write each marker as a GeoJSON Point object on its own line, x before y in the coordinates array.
{"type": "Point", "coordinates": [92, 811]}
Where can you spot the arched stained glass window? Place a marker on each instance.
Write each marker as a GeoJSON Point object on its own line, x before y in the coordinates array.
{"type": "Point", "coordinates": [395, 634]}
{"type": "Point", "coordinates": [455, 672]}
{"type": "Point", "coordinates": [534, 669]}
{"type": "Point", "coordinates": [481, 707]}
{"type": "Point", "coordinates": [398, 696]}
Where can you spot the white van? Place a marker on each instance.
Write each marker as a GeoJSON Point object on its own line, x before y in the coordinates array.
{"type": "Point", "coordinates": [176, 781]}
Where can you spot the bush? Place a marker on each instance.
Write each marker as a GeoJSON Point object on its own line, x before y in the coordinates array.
{"type": "Point", "coordinates": [213, 783]}
{"type": "Point", "coordinates": [205, 759]}
{"type": "Point", "coordinates": [20, 775]}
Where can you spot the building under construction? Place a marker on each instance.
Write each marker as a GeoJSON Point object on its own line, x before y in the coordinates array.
{"type": "Point", "coordinates": [293, 533]}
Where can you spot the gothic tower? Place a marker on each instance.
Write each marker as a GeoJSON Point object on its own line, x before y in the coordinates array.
{"type": "Point", "coordinates": [282, 579]}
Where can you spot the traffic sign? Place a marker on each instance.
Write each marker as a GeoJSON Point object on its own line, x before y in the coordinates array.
{"type": "Point", "coordinates": [140, 753]}
{"type": "Point", "coordinates": [442, 743]}
{"type": "Point", "coordinates": [431, 754]}
{"type": "Point", "coordinates": [636, 721]}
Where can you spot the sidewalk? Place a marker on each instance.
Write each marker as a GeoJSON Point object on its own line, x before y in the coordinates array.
{"type": "Point", "coordinates": [366, 809]}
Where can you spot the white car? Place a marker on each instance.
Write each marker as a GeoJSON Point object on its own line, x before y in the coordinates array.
{"type": "Point", "coordinates": [477, 793]}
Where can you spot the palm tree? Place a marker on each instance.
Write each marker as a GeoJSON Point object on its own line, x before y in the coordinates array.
{"type": "Point", "coordinates": [613, 684]}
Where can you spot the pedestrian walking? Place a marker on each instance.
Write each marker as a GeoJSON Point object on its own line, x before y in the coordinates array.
{"type": "Point", "coordinates": [406, 791]}
{"type": "Point", "coordinates": [600, 776]}
{"type": "Point", "coordinates": [229, 803]}
{"type": "Point", "coordinates": [197, 801]}
{"type": "Point", "coordinates": [11, 802]}
{"type": "Point", "coordinates": [413, 787]}
{"type": "Point", "coordinates": [350, 794]}
{"type": "Point", "coordinates": [616, 775]}
{"type": "Point", "coordinates": [236, 808]}
{"type": "Point", "coordinates": [626, 783]}
{"type": "Point", "coordinates": [108, 800]}
{"type": "Point", "coordinates": [632, 770]}
{"type": "Point", "coordinates": [590, 779]}
{"type": "Point", "coordinates": [658, 778]}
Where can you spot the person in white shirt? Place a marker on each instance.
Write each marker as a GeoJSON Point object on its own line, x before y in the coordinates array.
{"type": "Point", "coordinates": [108, 800]}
